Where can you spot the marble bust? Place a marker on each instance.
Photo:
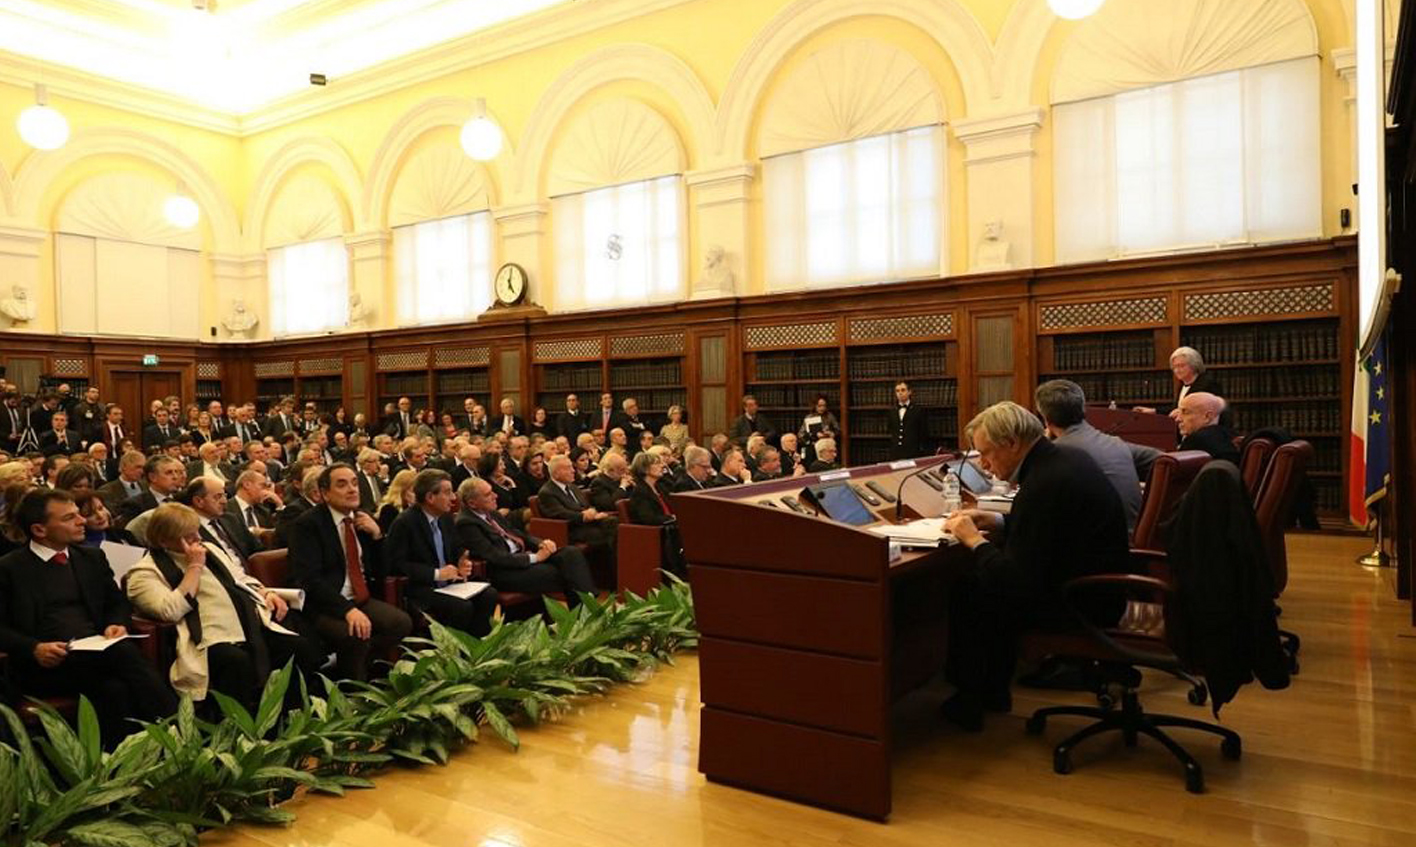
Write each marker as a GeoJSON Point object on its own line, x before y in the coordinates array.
{"type": "Point", "coordinates": [717, 276]}
{"type": "Point", "coordinates": [992, 253]}
{"type": "Point", "coordinates": [358, 312]}
{"type": "Point", "coordinates": [240, 322]}
{"type": "Point", "coordinates": [18, 307]}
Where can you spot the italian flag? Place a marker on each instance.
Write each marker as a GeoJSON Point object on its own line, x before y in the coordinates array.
{"type": "Point", "coordinates": [1357, 446]}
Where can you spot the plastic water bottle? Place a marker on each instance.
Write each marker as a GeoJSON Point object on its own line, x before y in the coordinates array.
{"type": "Point", "coordinates": [952, 501]}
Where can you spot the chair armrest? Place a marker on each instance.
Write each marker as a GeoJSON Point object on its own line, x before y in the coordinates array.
{"type": "Point", "coordinates": [1153, 562]}
{"type": "Point", "coordinates": [393, 590]}
{"type": "Point", "coordinates": [1156, 591]}
{"type": "Point", "coordinates": [479, 569]}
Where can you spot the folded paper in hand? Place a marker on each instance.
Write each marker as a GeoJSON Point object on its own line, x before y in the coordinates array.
{"type": "Point", "coordinates": [464, 590]}
{"type": "Point", "coordinates": [293, 597]}
{"type": "Point", "coordinates": [97, 643]}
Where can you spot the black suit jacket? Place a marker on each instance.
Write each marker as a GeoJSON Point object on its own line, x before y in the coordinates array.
{"type": "Point", "coordinates": [49, 442]}
{"type": "Point", "coordinates": [409, 550]}
{"type": "Point", "coordinates": [134, 506]}
{"type": "Point", "coordinates": [247, 432]}
{"type": "Point", "coordinates": [460, 474]}
{"type": "Point", "coordinates": [246, 543]}
{"type": "Point", "coordinates": [632, 428]}
{"type": "Point", "coordinates": [518, 425]}
{"type": "Point", "coordinates": [909, 440]}
{"type": "Point", "coordinates": [721, 479]}
{"type": "Point", "coordinates": [265, 518]}
{"type": "Point", "coordinates": [605, 493]}
{"type": "Point", "coordinates": [743, 428]}
{"type": "Point", "coordinates": [571, 424]}
{"type": "Point", "coordinates": [22, 600]}
{"type": "Point", "coordinates": [645, 508]}
{"type": "Point", "coordinates": [9, 432]}
{"type": "Point", "coordinates": [153, 437]}
{"type": "Point", "coordinates": [553, 503]}
{"type": "Point", "coordinates": [286, 517]}
{"type": "Point", "coordinates": [277, 426]}
{"type": "Point", "coordinates": [1216, 440]}
{"type": "Point", "coordinates": [687, 484]}
{"type": "Point", "coordinates": [317, 561]}
{"type": "Point", "coordinates": [367, 501]}
{"type": "Point", "coordinates": [484, 543]}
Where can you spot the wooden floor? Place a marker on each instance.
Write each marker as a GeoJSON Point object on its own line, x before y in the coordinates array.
{"type": "Point", "coordinates": [1330, 761]}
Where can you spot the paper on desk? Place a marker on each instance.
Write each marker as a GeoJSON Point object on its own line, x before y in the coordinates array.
{"type": "Point", "coordinates": [925, 532]}
{"type": "Point", "coordinates": [464, 590]}
{"type": "Point", "coordinates": [1001, 503]}
{"type": "Point", "coordinates": [121, 558]}
{"type": "Point", "coordinates": [97, 643]}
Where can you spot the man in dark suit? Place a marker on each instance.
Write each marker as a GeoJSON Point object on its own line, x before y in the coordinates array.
{"type": "Point", "coordinates": [219, 419]}
{"type": "Point", "coordinates": [164, 478]}
{"type": "Point", "coordinates": [508, 421]}
{"type": "Point", "coordinates": [88, 415]}
{"type": "Point", "coordinates": [160, 431]}
{"type": "Point", "coordinates": [336, 558]}
{"type": "Point", "coordinates": [60, 439]}
{"type": "Point", "coordinates": [371, 482]}
{"type": "Point", "coordinates": [697, 470]}
{"type": "Point", "coordinates": [610, 485]}
{"type": "Point", "coordinates": [307, 497]}
{"type": "Point", "coordinates": [606, 413]}
{"type": "Point", "coordinates": [1067, 521]}
{"type": "Point", "coordinates": [12, 422]}
{"type": "Point", "coordinates": [751, 421]}
{"type": "Point", "coordinates": [282, 420]}
{"type": "Point", "coordinates": [112, 431]}
{"type": "Point", "coordinates": [560, 499]}
{"type": "Point", "coordinates": [242, 427]}
{"type": "Point", "coordinates": [207, 497]}
{"type": "Point", "coordinates": [53, 590]}
{"type": "Point", "coordinates": [468, 458]}
{"type": "Point", "coordinates": [105, 467]}
{"type": "Point", "coordinates": [515, 560]}
{"type": "Point", "coordinates": [424, 546]}
{"type": "Point", "coordinates": [572, 421]}
{"type": "Point", "coordinates": [1202, 427]}
{"type": "Point", "coordinates": [40, 414]}
{"type": "Point", "coordinates": [400, 423]}
{"type": "Point", "coordinates": [130, 482]}
{"type": "Point", "coordinates": [628, 420]}
{"type": "Point", "coordinates": [909, 440]}
{"type": "Point", "coordinates": [254, 503]}
{"type": "Point", "coordinates": [733, 470]}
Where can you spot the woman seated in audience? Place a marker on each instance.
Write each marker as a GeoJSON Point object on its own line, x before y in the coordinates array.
{"type": "Point", "coordinates": [676, 431]}
{"type": "Point", "coordinates": [585, 469]}
{"type": "Point", "coordinates": [649, 505]}
{"type": "Point", "coordinates": [74, 478]}
{"type": "Point", "coordinates": [509, 501]}
{"type": "Point", "coordinates": [447, 428]}
{"type": "Point", "coordinates": [98, 523]}
{"type": "Point", "coordinates": [190, 419]}
{"type": "Point", "coordinates": [540, 423]}
{"type": "Point", "coordinates": [229, 631]}
{"type": "Point", "coordinates": [203, 431]}
{"type": "Point", "coordinates": [532, 476]}
{"type": "Point", "coordinates": [398, 497]}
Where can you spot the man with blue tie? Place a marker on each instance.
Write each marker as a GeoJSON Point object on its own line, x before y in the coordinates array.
{"type": "Point", "coordinates": [423, 545]}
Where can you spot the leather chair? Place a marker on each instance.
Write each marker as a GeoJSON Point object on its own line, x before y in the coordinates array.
{"type": "Point", "coordinates": [1254, 463]}
{"type": "Point", "coordinates": [543, 527]}
{"type": "Point", "coordinates": [637, 554]}
{"type": "Point", "coordinates": [1170, 477]}
{"type": "Point", "coordinates": [271, 567]}
{"type": "Point", "coordinates": [1274, 509]}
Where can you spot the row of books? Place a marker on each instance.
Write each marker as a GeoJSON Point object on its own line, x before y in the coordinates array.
{"type": "Point", "coordinates": [1308, 418]}
{"type": "Point", "coordinates": [801, 397]}
{"type": "Point", "coordinates": [646, 373]}
{"type": "Point", "coordinates": [323, 387]}
{"type": "Point", "coordinates": [1089, 353]}
{"type": "Point", "coordinates": [1149, 388]}
{"type": "Point", "coordinates": [934, 392]}
{"type": "Point", "coordinates": [1274, 343]}
{"type": "Point", "coordinates": [869, 452]}
{"type": "Point", "coordinates": [1242, 383]}
{"type": "Point", "coordinates": [1329, 495]}
{"type": "Point", "coordinates": [464, 383]}
{"type": "Point", "coordinates": [572, 378]}
{"type": "Point", "coordinates": [815, 365]}
{"type": "Point", "coordinates": [405, 383]}
{"type": "Point", "coordinates": [208, 390]}
{"type": "Point", "coordinates": [1326, 457]}
{"type": "Point", "coordinates": [897, 361]}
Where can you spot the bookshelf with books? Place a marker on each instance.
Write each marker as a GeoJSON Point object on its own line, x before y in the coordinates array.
{"type": "Point", "coordinates": [786, 383]}
{"type": "Point", "coordinates": [586, 380]}
{"type": "Point", "coordinates": [326, 392]}
{"type": "Point", "coordinates": [271, 390]}
{"type": "Point", "coordinates": [656, 383]}
{"type": "Point", "coordinates": [455, 385]}
{"type": "Point", "coordinates": [930, 368]}
{"type": "Point", "coordinates": [410, 384]}
{"type": "Point", "coordinates": [207, 391]}
{"type": "Point", "coordinates": [1127, 367]}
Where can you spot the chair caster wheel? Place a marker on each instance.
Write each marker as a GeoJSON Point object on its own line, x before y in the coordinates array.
{"type": "Point", "coordinates": [1198, 695]}
{"type": "Point", "coordinates": [1035, 725]}
{"type": "Point", "coordinates": [1231, 749]}
{"type": "Point", "coordinates": [1061, 762]}
{"type": "Point", "coordinates": [1194, 779]}
{"type": "Point", "coordinates": [1106, 701]}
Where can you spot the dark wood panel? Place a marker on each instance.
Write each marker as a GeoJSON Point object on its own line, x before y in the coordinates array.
{"type": "Point", "coordinates": [824, 615]}
{"type": "Point", "coordinates": [812, 765]}
{"type": "Point", "coordinates": [828, 692]}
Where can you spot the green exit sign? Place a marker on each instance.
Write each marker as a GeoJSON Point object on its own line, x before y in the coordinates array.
{"type": "Point", "coordinates": [150, 360]}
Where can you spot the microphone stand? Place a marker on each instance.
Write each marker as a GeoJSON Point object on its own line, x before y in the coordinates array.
{"type": "Point", "coordinates": [899, 502]}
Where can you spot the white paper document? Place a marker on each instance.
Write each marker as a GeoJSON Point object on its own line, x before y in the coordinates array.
{"type": "Point", "coordinates": [293, 597]}
{"type": "Point", "coordinates": [121, 558]}
{"type": "Point", "coordinates": [925, 532]}
{"type": "Point", "coordinates": [464, 590]}
{"type": "Point", "coordinates": [97, 643]}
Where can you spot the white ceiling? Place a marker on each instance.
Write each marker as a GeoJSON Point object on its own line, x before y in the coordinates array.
{"type": "Point", "coordinates": [243, 55]}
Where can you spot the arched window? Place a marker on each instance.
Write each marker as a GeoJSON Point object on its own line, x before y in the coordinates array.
{"type": "Point", "coordinates": [307, 261]}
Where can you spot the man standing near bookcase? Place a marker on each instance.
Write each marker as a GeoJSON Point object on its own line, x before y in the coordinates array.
{"type": "Point", "coordinates": [909, 425]}
{"type": "Point", "coordinates": [750, 423]}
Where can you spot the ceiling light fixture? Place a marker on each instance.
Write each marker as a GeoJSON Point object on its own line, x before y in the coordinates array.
{"type": "Point", "coordinates": [1074, 10]}
{"type": "Point", "coordinates": [42, 126]}
{"type": "Point", "coordinates": [181, 210]}
{"type": "Point", "coordinates": [481, 137]}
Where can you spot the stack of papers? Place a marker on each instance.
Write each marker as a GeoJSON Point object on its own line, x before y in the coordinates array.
{"type": "Point", "coordinates": [464, 590]}
{"type": "Point", "coordinates": [925, 532]}
{"type": "Point", "coordinates": [97, 643]}
{"type": "Point", "coordinates": [1001, 503]}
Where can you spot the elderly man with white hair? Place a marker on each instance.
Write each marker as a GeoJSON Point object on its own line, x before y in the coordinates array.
{"type": "Point", "coordinates": [1067, 521]}
{"type": "Point", "coordinates": [1201, 418]}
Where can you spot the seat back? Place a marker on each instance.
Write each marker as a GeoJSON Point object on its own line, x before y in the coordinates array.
{"type": "Point", "coordinates": [271, 567]}
{"type": "Point", "coordinates": [534, 504]}
{"type": "Point", "coordinates": [1274, 504]}
{"type": "Point", "coordinates": [1170, 477]}
{"type": "Point", "coordinates": [1254, 462]}
{"type": "Point", "coordinates": [622, 509]}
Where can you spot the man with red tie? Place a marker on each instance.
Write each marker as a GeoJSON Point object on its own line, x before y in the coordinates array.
{"type": "Point", "coordinates": [606, 412]}
{"type": "Point", "coordinates": [515, 560]}
{"type": "Point", "coordinates": [336, 558]}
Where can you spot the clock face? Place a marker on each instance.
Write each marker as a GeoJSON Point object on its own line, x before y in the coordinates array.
{"type": "Point", "coordinates": [510, 284]}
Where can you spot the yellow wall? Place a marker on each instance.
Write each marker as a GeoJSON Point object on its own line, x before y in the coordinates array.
{"type": "Point", "coordinates": [712, 37]}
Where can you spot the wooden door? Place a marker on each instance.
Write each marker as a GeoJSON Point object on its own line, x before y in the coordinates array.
{"type": "Point", "coordinates": [135, 390]}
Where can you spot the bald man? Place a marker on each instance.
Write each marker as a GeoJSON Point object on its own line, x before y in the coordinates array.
{"type": "Point", "coordinates": [1200, 427]}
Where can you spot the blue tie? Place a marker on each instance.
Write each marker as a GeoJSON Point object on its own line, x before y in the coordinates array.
{"type": "Point", "coordinates": [437, 543]}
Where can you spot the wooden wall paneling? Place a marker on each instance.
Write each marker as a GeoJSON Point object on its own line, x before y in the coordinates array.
{"type": "Point", "coordinates": [995, 371]}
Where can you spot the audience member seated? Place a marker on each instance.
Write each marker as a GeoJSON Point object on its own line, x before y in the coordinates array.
{"type": "Point", "coordinates": [733, 471]}
{"type": "Point", "coordinates": [398, 497]}
{"type": "Point", "coordinates": [98, 523]}
{"type": "Point", "coordinates": [532, 476]}
{"type": "Point", "coordinates": [515, 560]}
{"type": "Point", "coordinates": [751, 421]}
{"type": "Point", "coordinates": [648, 505]}
{"type": "Point", "coordinates": [1202, 428]}
{"type": "Point", "coordinates": [697, 470]}
{"type": "Point", "coordinates": [160, 431]}
{"type": "Point", "coordinates": [611, 484]}
{"type": "Point", "coordinates": [59, 439]}
{"type": "Point", "coordinates": [50, 468]}
{"type": "Point", "coordinates": [559, 499]}
{"type": "Point", "coordinates": [793, 460]}
{"type": "Point", "coordinates": [508, 421]}
{"type": "Point", "coordinates": [232, 631]}
{"type": "Point", "coordinates": [336, 557]}
{"type": "Point", "coordinates": [769, 465]}
{"type": "Point", "coordinates": [825, 457]}
{"type": "Point", "coordinates": [165, 477]}
{"type": "Point", "coordinates": [74, 478]}
{"type": "Point", "coordinates": [1063, 406]}
{"type": "Point", "coordinates": [130, 484]}
{"type": "Point", "coordinates": [424, 546]}
{"type": "Point", "coordinates": [52, 591]}
{"type": "Point", "coordinates": [628, 420]}
{"type": "Point", "coordinates": [254, 504]}
{"type": "Point", "coordinates": [1067, 521]}
{"type": "Point", "coordinates": [468, 457]}
{"type": "Point", "coordinates": [209, 463]}
{"type": "Point", "coordinates": [307, 498]}
{"type": "Point", "coordinates": [509, 502]}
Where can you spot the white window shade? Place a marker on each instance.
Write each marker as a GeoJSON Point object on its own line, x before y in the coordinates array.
{"type": "Point", "coordinates": [444, 269]}
{"type": "Point", "coordinates": [622, 245]}
{"type": "Point", "coordinates": [1231, 158]}
{"type": "Point", "coordinates": [309, 287]}
{"type": "Point", "coordinates": [863, 211]}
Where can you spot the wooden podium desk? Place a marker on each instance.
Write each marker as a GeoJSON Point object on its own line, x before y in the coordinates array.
{"type": "Point", "coordinates": [809, 633]}
{"type": "Point", "coordinates": [1151, 430]}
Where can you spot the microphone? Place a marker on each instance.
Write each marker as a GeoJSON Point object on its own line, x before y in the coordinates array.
{"type": "Point", "coordinates": [899, 502]}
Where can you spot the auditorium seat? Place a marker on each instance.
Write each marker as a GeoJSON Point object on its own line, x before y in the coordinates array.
{"type": "Point", "coordinates": [638, 556]}
{"type": "Point", "coordinates": [1170, 477]}
{"type": "Point", "coordinates": [542, 527]}
{"type": "Point", "coordinates": [1274, 509]}
{"type": "Point", "coordinates": [271, 567]}
{"type": "Point", "coordinates": [1254, 462]}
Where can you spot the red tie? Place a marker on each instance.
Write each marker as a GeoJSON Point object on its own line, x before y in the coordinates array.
{"type": "Point", "coordinates": [352, 564]}
{"type": "Point", "coordinates": [60, 558]}
{"type": "Point", "coordinates": [516, 542]}
{"type": "Point", "coordinates": [663, 502]}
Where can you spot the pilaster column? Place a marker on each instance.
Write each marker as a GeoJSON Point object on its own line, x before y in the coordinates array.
{"type": "Point", "coordinates": [721, 197]}
{"type": "Point", "coordinates": [237, 277]}
{"type": "Point", "coordinates": [20, 249]}
{"type": "Point", "coordinates": [369, 276]}
{"type": "Point", "coordinates": [523, 236]}
{"type": "Point", "coordinates": [999, 160]}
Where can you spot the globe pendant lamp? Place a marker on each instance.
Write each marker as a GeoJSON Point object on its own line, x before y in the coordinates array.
{"type": "Point", "coordinates": [481, 137]}
{"type": "Point", "coordinates": [1074, 10]}
{"type": "Point", "coordinates": [181, 210]}
{"type": "Point", "coordinates": [42, 126]}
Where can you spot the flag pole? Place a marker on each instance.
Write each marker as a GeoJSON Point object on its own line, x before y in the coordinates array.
{"type": "Point", "coordinates": [1378, 557]}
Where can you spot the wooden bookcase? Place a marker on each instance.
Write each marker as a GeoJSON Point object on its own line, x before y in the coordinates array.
{"type": "Point", "coordinates": [930, 368]}
{"type": "Point", "coordinates": [1127, 367]}
{"type": "Point", "coordinates": [656, 382]}
{"type": "Point", "coordinates": [454, 385]}
{"type": "Point", "coordinates": [786, 383]}
{"type": "Point", "coordinates": [554, 380]}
